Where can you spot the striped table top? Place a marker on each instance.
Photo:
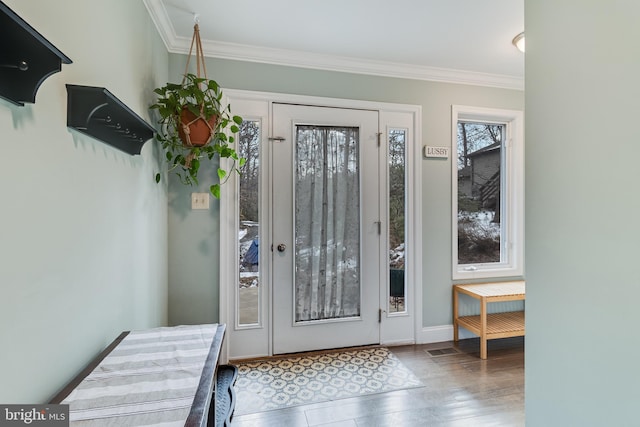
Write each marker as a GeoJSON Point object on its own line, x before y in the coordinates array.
{"type": "Point", "coordinates": [149, 379]}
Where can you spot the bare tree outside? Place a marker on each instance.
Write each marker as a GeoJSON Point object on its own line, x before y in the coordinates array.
{"type": "Point", "coordinates": [480, 160]}
{"type": "Point", "coordinates": [249, 195]}
{"type": "Point", "coordinates": [327, 222]}
{"type": "Point", "coordinates": [397, 208]}
{"type": "Point", "coordinates": [396, 190]}
{"type": "Point", "coordinates": [249, 231]}
{"type": "Point", "coordinates": [249, 148]}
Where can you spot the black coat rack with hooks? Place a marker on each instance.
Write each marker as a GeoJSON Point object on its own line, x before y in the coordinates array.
{"type": "Point", "coordinates": [26, 58]}
{"type": "Point", "coordinates": [96, 112]}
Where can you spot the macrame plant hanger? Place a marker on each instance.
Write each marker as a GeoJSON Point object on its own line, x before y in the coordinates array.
{"type": "Point", "coordinates": [201, 71]}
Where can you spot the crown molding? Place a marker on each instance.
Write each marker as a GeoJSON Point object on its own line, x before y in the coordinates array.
{"type": "Point", "coordinates": [292, 58]}
{"type": "Point", "coordinates": [161, 20]}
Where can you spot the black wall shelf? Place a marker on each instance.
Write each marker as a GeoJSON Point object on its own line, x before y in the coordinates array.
{"type": "Point", "coordinates": [96, 112]}
{"type": "Point", "coordinates": [26, 58]}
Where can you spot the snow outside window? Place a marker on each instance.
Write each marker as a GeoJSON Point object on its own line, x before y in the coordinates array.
{"type": "Point", "coordinates": [487, 192]}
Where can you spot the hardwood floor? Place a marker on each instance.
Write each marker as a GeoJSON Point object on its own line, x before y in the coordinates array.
{"type": "Point", "coordinates": [460, 390]}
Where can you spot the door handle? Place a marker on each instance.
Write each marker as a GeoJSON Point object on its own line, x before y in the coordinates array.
{"type": "Point", "coordinates": [281, 247]}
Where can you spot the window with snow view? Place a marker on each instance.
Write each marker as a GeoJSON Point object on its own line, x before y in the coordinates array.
{"type": "Point", "coordinates": [397, 209]}
{"type": "Point", "coordinates": [249, 291]}
{"type": "Point", "coordinates": [488, 193]}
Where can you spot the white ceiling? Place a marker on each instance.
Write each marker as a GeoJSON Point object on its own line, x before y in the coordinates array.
{"type": "Point", "coordinates": [460, 41]}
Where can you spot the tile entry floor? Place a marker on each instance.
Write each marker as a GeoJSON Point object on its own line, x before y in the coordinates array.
{"type": "Point", "coordinates": [302, 379]}
{"type": "Point", "coordinates": [460, 390]}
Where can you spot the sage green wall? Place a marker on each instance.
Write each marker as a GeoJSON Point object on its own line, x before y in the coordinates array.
{"type": "Point", "coordinates": [83, 230]}
{"type": "Point", "coordinates": [200, 279]}
{"type": "Point", "coordinates": [582, 70]}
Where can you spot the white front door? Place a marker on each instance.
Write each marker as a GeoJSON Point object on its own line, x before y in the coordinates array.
{"type": "Point", "coordinates": [325, 233]}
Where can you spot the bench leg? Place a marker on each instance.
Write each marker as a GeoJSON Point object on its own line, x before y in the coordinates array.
{"type": "Point", "coordinates": [483, 348]}
{"type": "Point", "coordinates": [455, 315]}
{"type": "Point", "coordinates": [483, 329]}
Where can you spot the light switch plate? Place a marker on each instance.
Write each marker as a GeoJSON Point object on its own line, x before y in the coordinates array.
{"type": "Point", "coordinates": [199, 200]}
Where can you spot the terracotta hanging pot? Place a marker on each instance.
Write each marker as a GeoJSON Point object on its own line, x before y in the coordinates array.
{"type": "Point", "coordinates": [195, 131]}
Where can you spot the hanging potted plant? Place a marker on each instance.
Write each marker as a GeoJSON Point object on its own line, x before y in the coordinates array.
{"type": "Point", "coordinates": [194, 124]}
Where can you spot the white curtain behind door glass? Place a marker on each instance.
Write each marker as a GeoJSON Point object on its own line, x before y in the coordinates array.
{"type": "Point", "coordinates": [327, 223]}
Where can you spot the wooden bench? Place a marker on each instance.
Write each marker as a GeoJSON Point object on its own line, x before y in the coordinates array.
{"type": "Point", "coordinates": [162, 375]}
{"type": "Point", "coordinates": [490, 326]}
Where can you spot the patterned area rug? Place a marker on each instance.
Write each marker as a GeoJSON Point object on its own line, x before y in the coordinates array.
{"type": "Point", "coordinates": [278, 383]}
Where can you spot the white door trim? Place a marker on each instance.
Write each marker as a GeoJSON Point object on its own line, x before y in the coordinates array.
{"type": "Point", "coordinates": [259, 339]}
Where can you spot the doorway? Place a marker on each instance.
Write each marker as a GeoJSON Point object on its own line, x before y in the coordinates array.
{"type": "Point", "coordinates": [316, 231]}
{"type": "Point", "coordinates": [326, 232]}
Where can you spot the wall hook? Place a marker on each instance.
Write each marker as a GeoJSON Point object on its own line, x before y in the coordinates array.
{"type": "Point", "coordinates": [27, 58]}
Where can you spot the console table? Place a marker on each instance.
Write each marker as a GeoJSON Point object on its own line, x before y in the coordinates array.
{"type": "Point", "coordinates": [490, 326]}
{"type": "Point", "coordinates": [163, 376]}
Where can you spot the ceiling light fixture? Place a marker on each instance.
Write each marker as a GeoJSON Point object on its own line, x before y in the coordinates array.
{"type": "Point", "coordinates": [518, 41]}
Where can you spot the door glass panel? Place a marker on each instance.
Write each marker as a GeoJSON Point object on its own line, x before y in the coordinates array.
{"type": "Point", "coordinates": [327, 223]}
{"type": "Point", "coordinates": [397, 204]}
{"type": "Point", "coordinates": [249, 232]}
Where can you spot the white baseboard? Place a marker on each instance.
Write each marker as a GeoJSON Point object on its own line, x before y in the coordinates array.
{"type": "Point", "coordinates": [433, 334]}
{"type": "Point", "coordinates": [398, 342]}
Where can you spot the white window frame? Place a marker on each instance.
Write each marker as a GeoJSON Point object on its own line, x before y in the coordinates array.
{"type": "Point", "coordinates": [512, 190]}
